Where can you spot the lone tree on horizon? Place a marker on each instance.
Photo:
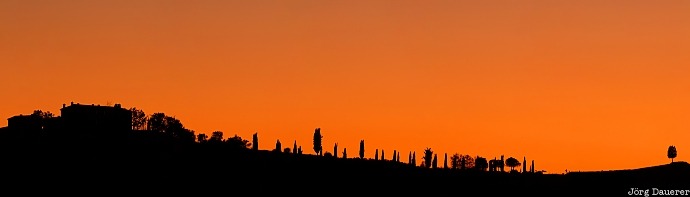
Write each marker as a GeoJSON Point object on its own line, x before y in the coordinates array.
{"type": "Point", "coordinates": [512, 163]}
{"type": "Point", "coordinates": [672, 153]}
{"type": "Point", "coordinates": [361, 149]}
{"type": "Point", "coordinates": [317, 141]}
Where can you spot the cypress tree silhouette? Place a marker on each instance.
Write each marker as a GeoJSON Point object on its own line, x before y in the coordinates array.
{"type": "Point", "coordinates": [395, 154]}
{"type": "Point", "coordinates": [524, 167]}
{"type": "Point", "coordinates": [361, 149]}
{"type": "Point", "coordinates": [434, 163]}
{"type": "Point", "coordinates": [409, 158]}
{"type": "Point", "coordinates": [317, 141]}
{"type": "Point", "coordinates": [383, 155]}
{"type": "Point", "coordinates": [299, 151]}
{"type": "Point", "coordinates": [255, 141]}
{"type": "Point", "coordinates": [335, 150]}
{"type": "Point", "coordinates": [672, 153]}
{"type": "Point", "coordinates": [398, 158]}
{"type": "Point", "coordinates": [376, 156]}
{"type": "Point", "coordinates": [414, 158]}
{"type": "Point", "coordinates": [531, 168]}
{"type": "Point", "coordinates": [344, 153]}
{"type": "Point", "coordinates": [427, 157]}
{"type": "Point", "coordinates": [294, 148]}
{"type": "Point", "coordinates": [445, 161]}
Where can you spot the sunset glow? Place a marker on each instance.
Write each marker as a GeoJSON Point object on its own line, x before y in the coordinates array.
{"type": "Point", "coordinates": [576, 85]}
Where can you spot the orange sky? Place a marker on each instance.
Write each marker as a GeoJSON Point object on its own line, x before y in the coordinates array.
{"type": "Point", "coordinates": [577, 85]}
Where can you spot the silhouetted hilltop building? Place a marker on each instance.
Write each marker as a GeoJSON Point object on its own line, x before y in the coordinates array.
{"type": "Point", "coordinates": [24, 123]}
{"type": "Point", "coordinates": [496, 165]}
{"type": "Point", "coordinates": [96, 118]}
{"type": "Point", "coordinates": [32, 125]}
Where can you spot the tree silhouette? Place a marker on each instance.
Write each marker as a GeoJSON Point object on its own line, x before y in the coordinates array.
{"type": "Point", "coordinates": [138, 118]}
{"type": "Point", "coordinates": [672, 153]}
{"type": "Point", "coordinates": [524, 167]}
{"type": "Point", "coordinates": [317, 141]}
{"type": "Point", "coordinates": [159, 122]}
{"type": "Point", "coordinates": [455, 161]}
{"type": "Point", "coordinates": [286, 150]}
{"type": "Point", "coordinates": [434, 162]}
{"type": "Point", "coordinates": [376, 156]}
{"type": "Point", "coordinates": [335, 150]}
{"type": "Point", "coordinates": [255, 141]}
{"type": "Point", "coordinates": [409, 158]}
{"type": "Point", "coordinates": [344, 153]}
{"type": "Point", "coordinates": [216, 137]}
{"type": "Point", "coordinates": [512, 163]}
{"type": "Point", "coordinates": [383, 155]}
{"type": "Point", "coordinates": [202, 138]}
{"type": "Point", "coordinates": [361, 149]}
{"type": "Point", "coordinates": [328, 154]}
{"type": "Point", "coordinates": [427, 157]}
{"type": "Point", "coordinates": [445, 161]}
{"type": "Point", "coordinates": [236, 142]}
{"type": "Point", "coordinates": [414, 158]}
{"type": "Point", "coordinates": [481, 163]}
{"type": "Point", "coordinates": [299, 151]}
{"type": "Point", "coordinates": [398, 157]}
{"type": "Point", "coordinates": [395, 155]}
{"type": "Point", "coordinates": [156, 122]}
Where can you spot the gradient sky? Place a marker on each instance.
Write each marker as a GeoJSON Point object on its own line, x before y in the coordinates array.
{"type": "Point", "coordinates": [577, 85]}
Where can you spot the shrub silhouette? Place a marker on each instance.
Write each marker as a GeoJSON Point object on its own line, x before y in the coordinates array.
{"type": "Point", "coordinates": [672, 153]}
{"type": "Point", "coordinates": [427, 157]}
{"type": "Point", "coordinates": [328, 154]}
{"type": "Point", "coordinates": [286, 151]}
{"type": "Point", "coordinates": [512, 163]}
{"type": "Point", "coordinates": [317, 141]}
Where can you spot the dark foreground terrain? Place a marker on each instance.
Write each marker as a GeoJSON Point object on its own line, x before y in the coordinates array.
{"type": "Point", "coordinates": [154, 165]}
